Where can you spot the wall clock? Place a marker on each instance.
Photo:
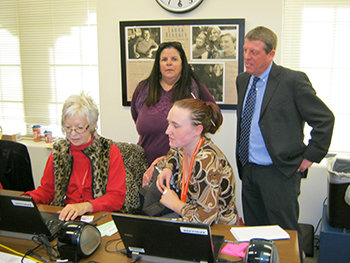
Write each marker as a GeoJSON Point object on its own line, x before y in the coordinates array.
{"type": "Point", "coordinates": [179, 6]}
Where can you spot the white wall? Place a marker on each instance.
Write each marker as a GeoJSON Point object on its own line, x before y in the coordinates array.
{"type": "Point", "coordinates": [116, 121]}
{"type": "Point", "coordinates": [38, 156]}
{"type": "Point", "coordinates": [313, 194]}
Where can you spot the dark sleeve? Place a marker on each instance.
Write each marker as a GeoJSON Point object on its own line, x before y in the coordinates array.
{"type": "Point", "coordinates": [316, 113]}
{"type": "Point", "coordinates": [134, 111]}
{"type": "Point", "coordinates": [206, 95]}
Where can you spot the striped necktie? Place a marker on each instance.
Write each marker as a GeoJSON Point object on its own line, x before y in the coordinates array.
{"type": "Point", "coordinates": [246, 123]}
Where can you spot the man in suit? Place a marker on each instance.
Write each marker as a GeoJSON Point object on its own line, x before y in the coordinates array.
{"type": "Point", "coordinates": [277, 157]}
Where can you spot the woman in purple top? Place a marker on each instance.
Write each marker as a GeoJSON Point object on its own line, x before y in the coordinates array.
{"type": "Point", "coordinates": [171, 79]}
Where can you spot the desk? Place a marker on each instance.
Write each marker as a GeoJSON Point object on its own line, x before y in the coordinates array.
{"type": "Point", "coordinates": [287, 249]}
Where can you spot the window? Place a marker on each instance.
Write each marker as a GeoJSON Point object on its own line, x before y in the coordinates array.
{"type": "Point", "coordinates": [48, 51]}
{"type": "Point", "coordinates": [316, 39]}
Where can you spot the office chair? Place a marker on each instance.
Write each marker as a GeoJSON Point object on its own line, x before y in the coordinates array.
{"type": "Point", "coordinates": [15, 167]}
{"type": "Point", "coordinates": [135, 163]}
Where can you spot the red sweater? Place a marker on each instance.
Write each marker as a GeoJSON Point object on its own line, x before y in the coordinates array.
{"type": "Point", "coordinates": [81, 191]}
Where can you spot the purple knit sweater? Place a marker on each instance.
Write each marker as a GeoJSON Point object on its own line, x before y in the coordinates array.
{"type": "Point", "coordinates": [151, 122]}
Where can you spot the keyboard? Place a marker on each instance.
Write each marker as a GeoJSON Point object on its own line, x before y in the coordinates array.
{"type": "Point", "coordinates": [54, 225]}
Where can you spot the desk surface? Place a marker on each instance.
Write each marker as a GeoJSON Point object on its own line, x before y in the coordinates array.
{"type": "Point", "coordinates": [287, 249]}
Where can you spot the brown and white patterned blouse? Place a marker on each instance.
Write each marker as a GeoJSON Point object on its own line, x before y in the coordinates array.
{"type": "Point", "coordinates": [211, 191]}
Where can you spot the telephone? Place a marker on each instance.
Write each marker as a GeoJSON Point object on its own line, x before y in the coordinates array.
{"type": "Point", "coordinates": [261, 250]}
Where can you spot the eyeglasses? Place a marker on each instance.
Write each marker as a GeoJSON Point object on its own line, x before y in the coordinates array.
{"type": "Point", "coordinates": [78, 131]}
{"type": "Point", "coordinates": [170, 44]}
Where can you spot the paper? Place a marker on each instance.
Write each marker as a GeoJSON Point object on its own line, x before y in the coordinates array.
{"type": "Point", "coordinates": [9, 258]}
{"type": "Point", "coordinates": [236, 250]}
{"type": "Point", "coordinates": [87, 219]}
{"type": "Point", "coordinates": [108, 229]}
{"type": "Point", "coordinates": [265, 232]}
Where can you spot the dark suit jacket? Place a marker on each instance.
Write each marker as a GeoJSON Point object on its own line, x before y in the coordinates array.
{"type": "Point", "coordinates": [288, 103]}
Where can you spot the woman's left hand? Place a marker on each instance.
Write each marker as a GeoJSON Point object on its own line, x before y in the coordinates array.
{"type": "Point", "coordinates": [165, 175]}
{"type": "Point", "coordinates": [72, 211]}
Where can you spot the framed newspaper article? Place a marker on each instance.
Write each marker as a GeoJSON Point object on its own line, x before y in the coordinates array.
{"type": "Point", "coordinates": [214, 49]}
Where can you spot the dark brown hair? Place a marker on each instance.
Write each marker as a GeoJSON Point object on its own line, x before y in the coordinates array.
{"type": "Point", "coordinates": [182, 87]}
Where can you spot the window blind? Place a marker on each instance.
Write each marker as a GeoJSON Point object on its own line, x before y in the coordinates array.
{"type": "Point", "coordinates": [48, 51]}
{"type": "Point", "coordinates": [316, 37]}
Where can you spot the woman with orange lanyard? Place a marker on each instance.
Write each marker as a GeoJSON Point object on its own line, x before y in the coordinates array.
{"type": "Point", "coordinates": [197, 181]}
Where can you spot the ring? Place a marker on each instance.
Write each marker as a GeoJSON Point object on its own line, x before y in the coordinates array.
{"type": "Point", "coordinates": [165, 192]}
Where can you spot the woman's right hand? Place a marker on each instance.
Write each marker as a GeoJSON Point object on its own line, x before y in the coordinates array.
{"type": "Point", "coordinates": [165, 175]}
{"type": "Point", "coordinates": [72, 211]}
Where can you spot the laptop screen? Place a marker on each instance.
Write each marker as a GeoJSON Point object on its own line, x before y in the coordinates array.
{"type": "Point", "coordinates": [19, 214]}
{"type": "Point", "coordinates": [165, 239]}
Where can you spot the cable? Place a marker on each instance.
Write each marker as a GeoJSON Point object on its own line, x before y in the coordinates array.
{"type": "Point", "coordinates": [42, 241]}
{"type": "Point", "coordinates": [318, 224]}
{"type": "Point", "coordinates": [123, 251]}
{"type": "Point", "coordinates": [319, 221]}
{"type": "Point", "coordinates": [31, 251]}
{"type": "Point", "coordinates": [137, 259]}
{"type": "Point", "coordinates": [324, 201]}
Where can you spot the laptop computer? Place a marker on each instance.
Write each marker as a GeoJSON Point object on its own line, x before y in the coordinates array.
{"type": "Point", "coordinates": [21, 218]}
{"type": "Point", "coordinates": [157, 239]}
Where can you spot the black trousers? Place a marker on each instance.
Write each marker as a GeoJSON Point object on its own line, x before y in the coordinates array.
{"type": "Point", "coordinates": [270, 198]}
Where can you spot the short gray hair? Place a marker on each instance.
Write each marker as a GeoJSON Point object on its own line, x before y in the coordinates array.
{"type": "Point", "coordinates": [82, 105]}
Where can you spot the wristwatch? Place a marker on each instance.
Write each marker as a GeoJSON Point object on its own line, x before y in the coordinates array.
{"type": "Point", "coordinates": [179, 6]}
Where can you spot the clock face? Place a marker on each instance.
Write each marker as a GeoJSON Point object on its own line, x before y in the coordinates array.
{"type": "Point", "coordinates": [179, 6]}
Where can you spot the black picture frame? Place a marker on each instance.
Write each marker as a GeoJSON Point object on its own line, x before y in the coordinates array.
{"type": "Point", "coordinates": [217, 69]}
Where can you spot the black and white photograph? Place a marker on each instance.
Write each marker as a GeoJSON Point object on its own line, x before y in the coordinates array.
{"type": "Point", "coordinates": [143, 42]}
{"type": "Point", "coordinates": [214, 42]}
{"type": "Point", "coordinates": [212, 75]}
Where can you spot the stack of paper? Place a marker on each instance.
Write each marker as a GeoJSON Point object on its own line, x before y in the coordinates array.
{"type": "Point", "coordinates": [265, 232]}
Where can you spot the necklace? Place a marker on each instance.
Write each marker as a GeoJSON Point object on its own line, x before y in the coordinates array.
{"type": "Point", "coordinates": [81, 187]}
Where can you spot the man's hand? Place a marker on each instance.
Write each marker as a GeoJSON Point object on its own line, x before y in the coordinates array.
{"type": "Point", "coordinates": [305, 164]}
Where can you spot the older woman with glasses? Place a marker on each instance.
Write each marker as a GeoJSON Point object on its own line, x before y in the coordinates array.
{"type": "Point", "coordinates": [85, 172]}
{"type": "Point", "coordinates": [171, 79]}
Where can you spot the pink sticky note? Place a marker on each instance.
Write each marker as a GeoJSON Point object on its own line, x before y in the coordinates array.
{"type": "Point", "coordinates": [236, 250]}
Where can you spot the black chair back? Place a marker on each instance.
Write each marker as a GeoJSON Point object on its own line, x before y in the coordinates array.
{"type": "Point", "coordinates": [15, 167]}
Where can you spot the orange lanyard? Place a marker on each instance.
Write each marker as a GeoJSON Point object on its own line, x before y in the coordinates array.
{"type": "Point", "coordinates": [184, 186]}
